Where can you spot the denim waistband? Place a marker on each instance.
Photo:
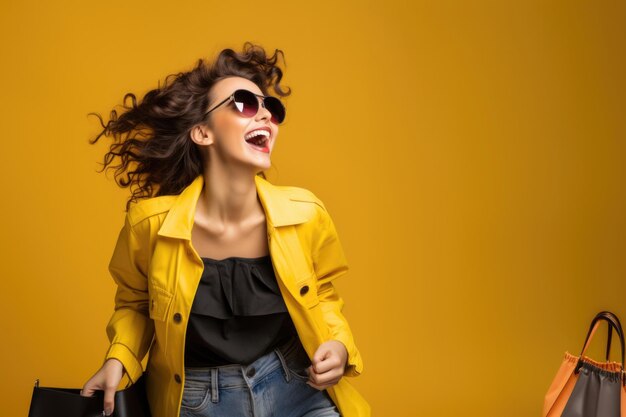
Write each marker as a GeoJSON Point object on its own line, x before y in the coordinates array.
{"type": "Point", "coordinates": [289, 355]}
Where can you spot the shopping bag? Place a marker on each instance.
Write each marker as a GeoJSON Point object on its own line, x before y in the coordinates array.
{"type": "Point", "coordinates": [67, 402]}
{"type": "Point", "coordinates": [584, 387]}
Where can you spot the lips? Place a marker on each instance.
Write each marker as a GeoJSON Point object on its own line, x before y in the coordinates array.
{"type": "Point", "coordinates": [262, 148]}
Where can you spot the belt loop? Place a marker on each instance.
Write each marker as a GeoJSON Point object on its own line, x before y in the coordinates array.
{"type": "Point", "coordinates": [284, 364]}
{"type": "Point", "coordinates": [214, 386]}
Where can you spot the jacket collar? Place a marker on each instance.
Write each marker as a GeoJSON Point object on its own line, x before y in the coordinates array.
{"type": "Point", "coordinates": [276, 202]}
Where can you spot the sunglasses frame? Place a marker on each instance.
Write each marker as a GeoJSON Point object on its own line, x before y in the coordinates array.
{"type": "Point", "coordinates": [232, 97]}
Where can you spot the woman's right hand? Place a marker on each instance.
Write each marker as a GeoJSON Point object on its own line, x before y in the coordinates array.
{"type": "Point", "coordinates": [106, 379]}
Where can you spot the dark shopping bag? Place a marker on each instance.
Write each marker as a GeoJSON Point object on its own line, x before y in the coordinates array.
{"type": "Point", "coordinates": [67, 402]}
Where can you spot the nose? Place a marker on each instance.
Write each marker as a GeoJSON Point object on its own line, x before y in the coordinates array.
{"type": "Point", "coordinates": [263, 113]}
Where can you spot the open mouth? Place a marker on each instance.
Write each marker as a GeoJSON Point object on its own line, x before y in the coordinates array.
{"type": "Point", "coordinates": [259, 142]}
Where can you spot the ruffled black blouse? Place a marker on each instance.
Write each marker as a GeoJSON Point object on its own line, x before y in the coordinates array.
{"type": "Point", "coordinates": [238, 313]}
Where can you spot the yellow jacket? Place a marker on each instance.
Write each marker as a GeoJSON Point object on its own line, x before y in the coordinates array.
{"type": "Point", "coordinates": [157, 272]}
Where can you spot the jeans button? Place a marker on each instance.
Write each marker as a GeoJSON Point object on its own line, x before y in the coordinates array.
{"type": "Point", "coordinates": [250, 372]}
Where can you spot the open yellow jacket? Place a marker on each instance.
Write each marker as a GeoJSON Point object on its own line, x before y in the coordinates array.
{"type": "Point", "coordinates": [157, 272]}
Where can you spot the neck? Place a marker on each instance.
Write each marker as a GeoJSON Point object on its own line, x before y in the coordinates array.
{"type": "Point", "coordinates": [229, 198]}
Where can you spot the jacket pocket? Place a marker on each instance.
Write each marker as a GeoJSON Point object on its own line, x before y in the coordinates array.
{"type": "Point", "coordinates": [160, 301]}
{"type": "Point", "coordinates": [307, 289]}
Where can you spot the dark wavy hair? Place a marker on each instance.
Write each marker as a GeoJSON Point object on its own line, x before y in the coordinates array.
{"type": "Point", "coordinates": [152, 138]}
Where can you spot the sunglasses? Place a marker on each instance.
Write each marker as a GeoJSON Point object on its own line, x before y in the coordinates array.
{"type": "Point", "coordinates": [247, 104]}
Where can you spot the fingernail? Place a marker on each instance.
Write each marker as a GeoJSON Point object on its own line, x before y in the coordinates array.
{"type": "Point", "coordinates": [107, 412]}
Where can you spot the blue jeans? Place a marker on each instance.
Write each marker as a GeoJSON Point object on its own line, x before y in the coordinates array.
{"type": "Point", "coordinates": [272, 386]}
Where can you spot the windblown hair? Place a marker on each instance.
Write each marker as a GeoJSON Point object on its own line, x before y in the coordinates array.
{"type": "Point", "coordinates": [152, 138]}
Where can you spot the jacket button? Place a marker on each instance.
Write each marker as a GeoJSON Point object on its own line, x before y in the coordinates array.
{"type": "Point", "coordinates": [177, 378]}
{"type": "Point", "coordinates": [304, 290]}
{"type": "Point", "coordinates": [178, 318]}
{"type": "Point", "coordinates": [250, 372]}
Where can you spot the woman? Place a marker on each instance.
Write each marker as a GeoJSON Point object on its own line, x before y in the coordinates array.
{"type": "Point", "coordinates": [225, 278]}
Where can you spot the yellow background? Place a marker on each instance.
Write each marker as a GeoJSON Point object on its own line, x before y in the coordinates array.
{"type": "Point", "coordinates": [471, 154]}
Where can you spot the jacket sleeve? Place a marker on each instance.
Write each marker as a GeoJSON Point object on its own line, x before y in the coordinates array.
{"type": "Point", "coordinates": [330, 263]}
{"type": "Point", "coordinates": [130, 329]}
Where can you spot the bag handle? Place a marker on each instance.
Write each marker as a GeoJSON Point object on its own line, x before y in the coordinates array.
{"type": "Point", "coordinates": [612, 321]}
{"type": "Point", "coordinates": [614, 324]}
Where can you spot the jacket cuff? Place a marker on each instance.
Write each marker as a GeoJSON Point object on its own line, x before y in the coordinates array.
{"type": "Point", "coordinates": [123, 354]}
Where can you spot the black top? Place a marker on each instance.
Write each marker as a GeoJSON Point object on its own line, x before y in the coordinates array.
{"type": "Point", "coordinates": [238, 313]}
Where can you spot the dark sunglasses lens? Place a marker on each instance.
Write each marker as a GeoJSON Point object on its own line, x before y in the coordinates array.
{"type": "Point", "coordinates": [246, 103]}
{"type": "Point", "coordinates": [275, 106]}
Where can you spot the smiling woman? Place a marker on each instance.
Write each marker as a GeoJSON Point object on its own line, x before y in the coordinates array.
{"type": "Point", "coordinates": [153, 135]}
{"type": "Point", "coordinates": [224, 279]}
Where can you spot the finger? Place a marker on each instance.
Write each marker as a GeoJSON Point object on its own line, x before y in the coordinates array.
{"type": "Point", "coordinates": [318, 387]}
{"type": "Point", "coordinates": [318, 377]}
{"type": "Point", "coordinates": [323, 386]}
{"type": "Point", "coordinates": [312, 374]}
{"type": "Point", "coordinates": [109, 400]}
{"type": "Point", "coordinates": [325, 378]}
{"type": "Point", "coordinates": [330, 362]}
{"type": "Point", "coordinates": [88, 390]}
{"type": "Point", "coordinates": [320, 354]}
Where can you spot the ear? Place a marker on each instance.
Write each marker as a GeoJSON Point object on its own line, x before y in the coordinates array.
{"type": "Point", "coordinates": [201, 135]}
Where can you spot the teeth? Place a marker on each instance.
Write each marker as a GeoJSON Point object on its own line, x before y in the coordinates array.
{"type": "Point", "coordinates": [256, 133]}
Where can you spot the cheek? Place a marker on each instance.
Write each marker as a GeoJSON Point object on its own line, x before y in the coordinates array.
{"type": "Point", "coordinates": [230, 131]}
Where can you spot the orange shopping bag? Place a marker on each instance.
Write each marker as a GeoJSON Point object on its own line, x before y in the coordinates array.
{"type": "Point", "coordinates": [583, 387]}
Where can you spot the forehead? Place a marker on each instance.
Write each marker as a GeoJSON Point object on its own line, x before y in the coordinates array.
{"type": "Point", "coordinates": [226, 86]}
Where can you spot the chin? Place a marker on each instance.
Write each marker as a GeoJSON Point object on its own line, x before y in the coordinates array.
{"type": "Point", "coordinates": [263, 167]}
{"type": "Point", "coordinates": [260, 166]}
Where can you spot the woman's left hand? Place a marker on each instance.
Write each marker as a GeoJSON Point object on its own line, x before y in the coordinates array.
{"type": "Point", "coordinates": [328, 365]}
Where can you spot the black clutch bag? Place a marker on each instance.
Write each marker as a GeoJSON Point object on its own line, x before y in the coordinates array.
{"type": "Point", "coordinates": [67, 402]}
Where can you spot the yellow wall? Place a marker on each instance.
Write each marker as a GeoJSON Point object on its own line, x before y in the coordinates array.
{"type": "Point", "coordinates": [471, 154]}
